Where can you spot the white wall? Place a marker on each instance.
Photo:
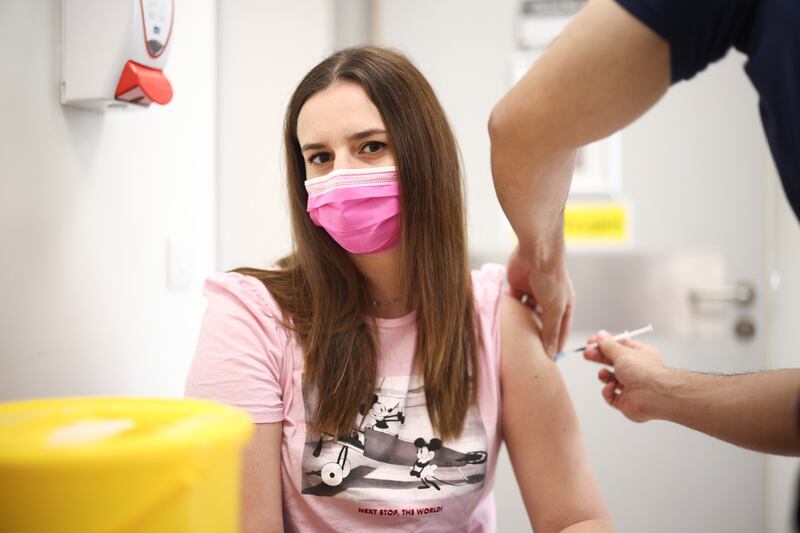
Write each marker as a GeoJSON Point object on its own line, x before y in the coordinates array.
{"type": "Point", "coordinates": [88, 202]}
{"type": "Point", "coordinates": [265, 50]}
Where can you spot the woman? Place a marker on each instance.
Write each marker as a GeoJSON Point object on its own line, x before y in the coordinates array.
{"type": "Point", "coordinates": [371, 360]}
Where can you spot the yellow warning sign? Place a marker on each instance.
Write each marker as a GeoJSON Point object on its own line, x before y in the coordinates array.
{"type": "Point", "coordinates": [596, 223]}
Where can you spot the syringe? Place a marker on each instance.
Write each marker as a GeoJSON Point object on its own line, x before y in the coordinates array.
{"type": "Point", "coordinates": [624, 335]}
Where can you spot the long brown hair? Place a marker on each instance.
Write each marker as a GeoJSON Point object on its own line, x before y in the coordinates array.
{"type": "Point", "coordinates": [325, 297]}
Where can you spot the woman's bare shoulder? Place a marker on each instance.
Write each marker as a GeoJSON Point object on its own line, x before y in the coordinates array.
{"type": "Point", "coordinates": [521, 342]}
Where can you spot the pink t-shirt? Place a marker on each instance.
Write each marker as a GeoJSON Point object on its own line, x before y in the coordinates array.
{"type": "Point", "coordinates": [391, 472]}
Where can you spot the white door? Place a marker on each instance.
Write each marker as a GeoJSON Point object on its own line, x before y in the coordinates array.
{"type": "Point", "coordinates": [693, 171]}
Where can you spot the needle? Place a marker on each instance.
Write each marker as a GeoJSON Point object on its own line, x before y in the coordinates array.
{"type": "Point", "coordinates": [624, 335]}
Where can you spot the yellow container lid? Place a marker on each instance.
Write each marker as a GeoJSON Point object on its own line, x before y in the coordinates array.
{"type": "Point", "coordinates": [77, 431]}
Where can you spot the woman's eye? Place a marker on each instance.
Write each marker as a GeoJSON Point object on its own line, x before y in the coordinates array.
{"type": "Point", "coordinates": [320, 159]}
{"type": "Point", "coordinates": [372, 147]}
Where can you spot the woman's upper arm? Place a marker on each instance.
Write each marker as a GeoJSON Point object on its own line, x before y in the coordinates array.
{"type": "Point", "coordinates": [262, 503]}
{"type": "Point", "coordinates": [541, 430]}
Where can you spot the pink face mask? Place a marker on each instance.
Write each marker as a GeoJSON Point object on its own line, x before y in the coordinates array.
{"type": "Point", "coordinates": [359, 208]}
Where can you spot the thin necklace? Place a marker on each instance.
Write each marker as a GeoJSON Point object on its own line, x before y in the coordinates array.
{"type": "Point", "coordinates": [376, 303]}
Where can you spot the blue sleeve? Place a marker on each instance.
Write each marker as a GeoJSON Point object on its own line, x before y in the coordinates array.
{"type": "Point", "coordinates": [699, 32]}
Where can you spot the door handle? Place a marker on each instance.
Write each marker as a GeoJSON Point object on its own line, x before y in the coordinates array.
{"type": "Point", "coordinates": [742, 293]}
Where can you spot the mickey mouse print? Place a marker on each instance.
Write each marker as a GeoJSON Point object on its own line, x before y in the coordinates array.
{"type": "Point", "coordinates": [392, 452]}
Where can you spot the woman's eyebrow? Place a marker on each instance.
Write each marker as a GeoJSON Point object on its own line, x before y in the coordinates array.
{"type": "Point", "coordinates": [311, 146]}
{"type": "Point", "coordinates": [365, 133]}
{"type": "Point", "coordinates": [352, 137]}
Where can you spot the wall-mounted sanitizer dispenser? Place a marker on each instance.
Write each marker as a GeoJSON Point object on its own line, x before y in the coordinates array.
{"type": "Point", "coordinates": [113, 52]}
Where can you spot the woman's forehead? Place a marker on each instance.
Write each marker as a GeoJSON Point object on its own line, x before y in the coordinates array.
{"type": "Point", "coordinates": [337, 111]}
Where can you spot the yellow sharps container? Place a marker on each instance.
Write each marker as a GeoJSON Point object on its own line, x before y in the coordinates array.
{"type": "Point", "coordinates": [86, 465]}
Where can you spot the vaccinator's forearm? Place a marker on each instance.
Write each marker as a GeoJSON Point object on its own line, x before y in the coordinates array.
{"type": "Point", "coordinates": [758, 411]}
